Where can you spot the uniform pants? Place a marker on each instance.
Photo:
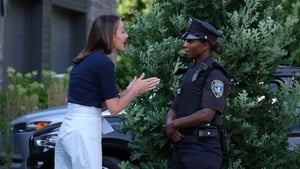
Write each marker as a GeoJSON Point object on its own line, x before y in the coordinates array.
{"type": "Point", "coordinates": [79, 141]}
{"type": "Point", "coordinates": [192, 153]}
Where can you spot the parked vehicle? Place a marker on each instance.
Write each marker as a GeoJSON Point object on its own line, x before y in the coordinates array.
{"type": "Point", "coordinates": [39, 131]}
{"type": "Point", "coordinates": [287, 75]}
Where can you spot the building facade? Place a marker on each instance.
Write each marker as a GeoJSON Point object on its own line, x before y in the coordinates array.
{"type": "Point", "coordinates": [45, 34]}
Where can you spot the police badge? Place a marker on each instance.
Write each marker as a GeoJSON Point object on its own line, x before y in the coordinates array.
{"type": "Point", "coordinates": [189, 24]}
{"type": "Point", "coordinates": [217, 87]}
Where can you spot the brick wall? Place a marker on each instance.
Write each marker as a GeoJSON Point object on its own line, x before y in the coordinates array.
{"type": "Point", "coordinates": [99, 7]}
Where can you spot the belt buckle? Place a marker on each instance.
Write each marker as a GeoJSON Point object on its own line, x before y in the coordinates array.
{"type": "Point", "coordinates": [207, 133]}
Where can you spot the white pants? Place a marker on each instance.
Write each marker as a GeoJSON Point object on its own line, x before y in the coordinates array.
{"type": "Point", "coordinates": [79, 141]}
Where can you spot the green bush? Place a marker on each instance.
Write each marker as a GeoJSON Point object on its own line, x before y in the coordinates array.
{"type": "Point", "coordinates": [25, 94]}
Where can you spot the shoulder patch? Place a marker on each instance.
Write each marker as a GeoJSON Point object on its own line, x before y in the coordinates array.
{"type": "Point", "coordinates": [217, 88]}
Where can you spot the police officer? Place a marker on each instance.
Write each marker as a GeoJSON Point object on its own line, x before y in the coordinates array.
{"type": "Point", "coordinates": [194, 117]}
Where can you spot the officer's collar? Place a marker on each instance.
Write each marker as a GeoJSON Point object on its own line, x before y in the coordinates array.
{"type": "Point", "coordinates": [206, 60]}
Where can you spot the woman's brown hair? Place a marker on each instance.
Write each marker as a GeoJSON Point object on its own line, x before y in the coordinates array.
{"type": "Point", "coordinates": [100, 37]}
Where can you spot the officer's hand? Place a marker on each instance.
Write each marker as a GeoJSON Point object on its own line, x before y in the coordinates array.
{"type": "Point", "coordinates": [169, 129]}
{"type": "Point", "coordinates": [176, 136]}
{"type": "Point", "coordinates": [172, 133]}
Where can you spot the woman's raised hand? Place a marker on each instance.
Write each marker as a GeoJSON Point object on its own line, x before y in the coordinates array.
{"type": "Point", "coordinates": [141, 85]}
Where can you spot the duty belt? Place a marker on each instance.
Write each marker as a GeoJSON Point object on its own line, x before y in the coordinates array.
{"type": "Point", "coordinates": [201, 132]}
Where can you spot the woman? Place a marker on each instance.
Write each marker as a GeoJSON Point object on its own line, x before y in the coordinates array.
{"type": "Point", "coordinates": [92, 88]}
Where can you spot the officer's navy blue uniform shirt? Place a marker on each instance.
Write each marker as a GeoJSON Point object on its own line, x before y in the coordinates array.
{"type": "Point", "coordinates": [92, 81]}
{"type": "Point", "coordinates": [211, 96]}
{"type": "Point", "coordinates": [210, 100]}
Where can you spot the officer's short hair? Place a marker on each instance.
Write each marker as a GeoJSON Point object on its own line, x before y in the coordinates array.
{"type": "Point", "coordinates": [201, 30]}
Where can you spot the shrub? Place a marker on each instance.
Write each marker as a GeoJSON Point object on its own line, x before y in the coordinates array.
{"type": "Point", "coordinates": [26, 94]}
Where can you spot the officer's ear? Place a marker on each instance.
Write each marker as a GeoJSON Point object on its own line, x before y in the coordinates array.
{"type": "Point", "coordinates": [204, 41]}
{"type": "Point", "coordinates": [206, 45]}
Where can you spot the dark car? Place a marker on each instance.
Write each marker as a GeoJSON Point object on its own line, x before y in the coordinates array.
{"type": "Point", "coordinates": [287, 75]}
{"type": "Point", "coordinates": [34, 137]}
